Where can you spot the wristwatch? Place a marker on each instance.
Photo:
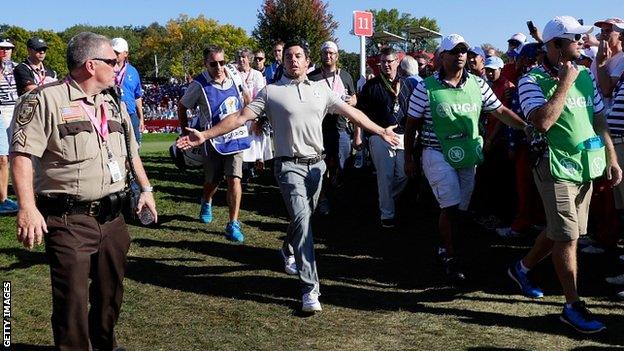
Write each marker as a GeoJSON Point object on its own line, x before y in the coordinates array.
{"type": "Point", "coordinates": [147, 189]}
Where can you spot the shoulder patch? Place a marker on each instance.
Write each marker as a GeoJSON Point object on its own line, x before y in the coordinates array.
{"type": "Point", "coordinates": [26, 110]}
{"type": "Point", "coordinates": [19, 138]}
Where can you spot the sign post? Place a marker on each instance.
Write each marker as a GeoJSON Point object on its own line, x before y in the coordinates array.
{"type": "Point", "coordinates": [362, 27]}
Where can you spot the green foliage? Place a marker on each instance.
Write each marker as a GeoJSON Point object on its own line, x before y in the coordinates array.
{"type": "Point", "coordinates": [179, 44]}
{"type": "Point", "coordinates": [350, 62]}
{"type": "Point", "coordinates": [55, 57]}
{"type": "Point", "coordinates": [398, 23]}
{"type": "Point", "coordinates": [287, 19]}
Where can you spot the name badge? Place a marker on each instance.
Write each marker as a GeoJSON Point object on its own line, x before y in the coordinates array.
{"type": "Point", "coordinates": [113, 167]}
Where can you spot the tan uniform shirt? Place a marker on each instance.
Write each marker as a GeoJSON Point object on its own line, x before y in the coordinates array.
{"type": "Point", "coordinates": [69, 156]}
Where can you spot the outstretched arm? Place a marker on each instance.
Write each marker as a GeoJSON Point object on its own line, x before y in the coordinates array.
{"type": "Point", "coordinates": [228, 124]}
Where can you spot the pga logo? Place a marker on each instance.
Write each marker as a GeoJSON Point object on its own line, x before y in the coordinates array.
{"type": "Point", "coordinates": [456, 154]}
{"type": "Point", "coordinates": [444, 110]}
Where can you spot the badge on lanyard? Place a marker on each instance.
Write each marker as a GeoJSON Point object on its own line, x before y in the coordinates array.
{"type": "Point", "coordinates": [395, 109]}
{"type": "Point", "coordinates": [102, 128]}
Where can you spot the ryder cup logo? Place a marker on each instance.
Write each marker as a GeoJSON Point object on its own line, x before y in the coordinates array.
{"type": "Point", "coordinates": [456, 154]}
{"type": "Point", "coordinates": [444, 110]}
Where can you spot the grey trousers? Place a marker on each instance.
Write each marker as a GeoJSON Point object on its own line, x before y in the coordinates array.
{"type": "Point", "coordinates": [391, 177]}
{"type": "Point", "coordinates": [300, 186]}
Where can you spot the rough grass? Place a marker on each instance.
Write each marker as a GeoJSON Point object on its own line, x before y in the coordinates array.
{"type": "Point", "coordinates": [187, 288]}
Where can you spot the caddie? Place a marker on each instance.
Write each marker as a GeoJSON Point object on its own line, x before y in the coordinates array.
{"type": "Point", "coordinates": [446, 107]}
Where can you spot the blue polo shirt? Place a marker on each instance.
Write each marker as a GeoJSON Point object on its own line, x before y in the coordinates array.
{"type": "Point", "coordinates": [131, 88]}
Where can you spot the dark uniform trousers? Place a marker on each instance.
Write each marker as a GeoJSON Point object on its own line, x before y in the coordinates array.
{"type": "Point", "coordinates": [79, 247]}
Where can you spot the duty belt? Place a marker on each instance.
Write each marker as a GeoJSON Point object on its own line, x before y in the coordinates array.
{"type": "Point", "coordinates": [304, 160]}
{"type": "Point", "coordinates": [104, 209]}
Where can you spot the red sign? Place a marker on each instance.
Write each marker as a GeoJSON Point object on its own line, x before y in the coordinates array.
{"type": "Point", "coordinates": [363, 23]}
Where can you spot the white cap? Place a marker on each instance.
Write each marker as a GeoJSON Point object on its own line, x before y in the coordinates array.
{"type": "Point", "coordinates": [559, 26]}
{"type": "Point", "coordinates": [477, 50]}
{"type": "Point", "coordinates": [518, 37]}
{"type": "Point", "coordinates": [6, 43]}
{"type": "Point", "coordinates": [450, 41]}
{"type": "Point", "coordinates": [329, 45]}
{"type": "Point", "coordinates": [494, 62]}
{"type": "Point", "coordinates": [119, 44]}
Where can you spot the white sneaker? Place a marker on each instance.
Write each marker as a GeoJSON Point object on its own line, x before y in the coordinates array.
{"type": "Point", "coordinates": [290, 266]}
{"type": "Point", "coordinates": [311, 302]}
{"type": "Point", "coordinates": [617, 280]}
{"type": "Point", "coordinates": [622, 257]}
{"type": "Point", "coordinates": [507, 232]}
{"type": "Point", "coordinates": [590, 249]}
{"type": "Point", "coordinates": [620, 295]}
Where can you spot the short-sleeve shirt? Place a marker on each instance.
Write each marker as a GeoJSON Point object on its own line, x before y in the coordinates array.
{"type": "Point", "coordinates": [532, 97]}
{"type": "Point", "coordinates": [26, 75]}
{"type": "Point", "coordinates": [194, 96]}
{"type": "Point", "coordinates": [296, 111]}
{"type": "Point", "coordinates": [341, 84]}
{"type": "Point", "coordinates": [69, 155]}
{"type": "Point", "coordinates": [378, 103]}
{"type": "Point", "coordinates": [615, 119]}
{"type": "Point", "coordinates": [419, 106]}
{"type": "Point", "coordinates": [131, 88]}
{"type": "Point", "coordinates": [254, 81]}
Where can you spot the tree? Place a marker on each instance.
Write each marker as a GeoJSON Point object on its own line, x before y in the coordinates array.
{"type": "Point", "coordinates": [350, 62]}
{"type": "Point", "coordinates": [398, 23]}
{"type": "Point", "coordinates": [55, 57]}
{"type": "Point", "coordinates": [291, 19]}
{"type": "Point", "coordinates": [180, 43]}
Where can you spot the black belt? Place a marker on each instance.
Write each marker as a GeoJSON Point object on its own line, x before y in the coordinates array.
{"type": "Point", "coordinates": [105, 209]}
{"type": "Point", "coordinates": [304, 160]}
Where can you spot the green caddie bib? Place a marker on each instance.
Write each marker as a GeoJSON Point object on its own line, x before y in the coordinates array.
{"type": "Point", "coordinates": [455, 114]}
{"type": "Point", "coordinates": [576, 153]}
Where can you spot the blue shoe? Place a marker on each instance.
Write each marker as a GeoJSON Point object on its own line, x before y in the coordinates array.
{"type": "Point", "coordinates": [581, 319]}
{"type": "Point", "coordinates": [523, 281]}
{"type": "Point", "coordinates": [233, 232]}
{"type": "Point", "coordinates": [8, 206]}
{"type": "Point", "coordinates": [205, 213]}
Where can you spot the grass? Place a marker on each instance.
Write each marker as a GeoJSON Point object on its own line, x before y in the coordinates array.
{"type": "Point", "coordinates": [187, 288]}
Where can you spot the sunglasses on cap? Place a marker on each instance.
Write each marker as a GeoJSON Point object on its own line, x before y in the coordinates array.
{"type": "Point", "coordinates": [214, 64]}
{"type": "Point", "coordinates": [458, 50]}
{"type": "Point", "coordinates": [110, 62]}
{"type": "Point", "coordinates": [571, 37]}
{"type": "Point", "coordinates": [258, 59]}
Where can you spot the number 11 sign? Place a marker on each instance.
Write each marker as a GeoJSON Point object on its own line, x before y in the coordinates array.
{"type": "Point", "coordinates": [362, 23]}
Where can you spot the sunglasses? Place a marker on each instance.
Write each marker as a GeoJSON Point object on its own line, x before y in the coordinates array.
{"type": "Point", "coordinates": [386, 62]}
{"type": "Point", "coordinates": [571, 37]}
{"type": "Point", "coordinates": [258, 59]}
{"type": "Point", "coordinates": [214, 64]}
{"type": "Point", "coordinates": [458, 50]}
{"type": "Point", "coordinates": [110, 62]}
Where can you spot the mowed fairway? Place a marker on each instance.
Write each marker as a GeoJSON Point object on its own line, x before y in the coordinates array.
{"type": "Point", "coordinates": [187, 288]}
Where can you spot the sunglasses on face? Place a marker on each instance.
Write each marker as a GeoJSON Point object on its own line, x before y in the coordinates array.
{"type": "Point", "coordinates": [387, 62]}
{"type": "Point", "coordinates": [110, 62]}
{"type": "Point", "coordinates": [258, 59]}
{"type": "Point", "coordinates": [6, 49]}
{"type": "Point", "coordinates": [458, 50]}
{"type": "Point", "coordinates": [214, 64]}
{"type": "Point", "coordinates": [571, 37]}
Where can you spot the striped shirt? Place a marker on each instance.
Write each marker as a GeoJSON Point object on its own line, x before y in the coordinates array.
{"type": "Point", "coordinates": [532, 97]}
{"type": "Point", "coordinates": [419, 106]}
{"type": "Point", "coordinates": [8, 89]}
{"type": "Point", "coordinates": [616, 115]}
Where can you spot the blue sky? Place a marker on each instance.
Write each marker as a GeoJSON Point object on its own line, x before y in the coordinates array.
{"type": "Point", "coordinates": [478, 21]}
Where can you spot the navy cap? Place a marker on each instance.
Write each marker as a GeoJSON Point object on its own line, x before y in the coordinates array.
{"type": "Point", "coordinates": [36, 44]}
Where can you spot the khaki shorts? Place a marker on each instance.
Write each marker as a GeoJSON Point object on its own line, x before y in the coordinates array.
{"type": "Point", "coordinates": [449, 185]}
{"type": "Point", "coordinates": [216, 165]}
{"type": "Point", "coordinates": [618, 191]}
{"type": "Point", "coordinates": [566, 204]}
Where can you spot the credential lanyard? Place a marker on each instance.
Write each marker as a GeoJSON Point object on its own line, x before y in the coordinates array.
{"type": "Point", "coordinates": [102, 125]}
{"type": "Point", "coordinates": [121, 75]}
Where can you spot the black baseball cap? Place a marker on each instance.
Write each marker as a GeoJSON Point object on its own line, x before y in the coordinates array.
{"type": "Point", "coordinates": [36, 44]}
